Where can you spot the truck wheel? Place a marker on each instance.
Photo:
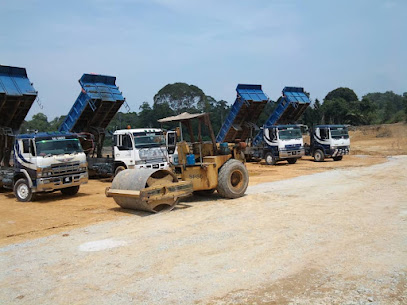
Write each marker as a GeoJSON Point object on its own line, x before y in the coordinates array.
{"type": "Point", "coordinates": [292, 160]}
{"type": "Point", "coordinates": [338, 158]}
{"type": "Point", "coordinates": [319, 155]}
{"type": "Point", "coordinates": [119, 169]}
{"type": "Point", "coordinates": [233, 179]}
{"type": "Point", "coordinates": [22, 190]}
{"type": "Point", "coordinates": [70, 191]}
{"type": "Point", "coordinates": [269, 158]}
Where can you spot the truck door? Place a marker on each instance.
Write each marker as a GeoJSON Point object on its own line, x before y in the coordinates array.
{"type": "Point", "coordinates": [125, 149]}
{"type": "Point", "coordinates": [26, 157]}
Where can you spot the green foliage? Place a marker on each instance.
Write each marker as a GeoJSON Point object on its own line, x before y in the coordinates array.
{"type": "Point", "coordinates": [342, 93]}
{"type": "Point", "coordinates": [38, 122]}
{"type": "Point", "coordinates": [181, 97]}
{"type": "Point", "coordinates": [341, 106]}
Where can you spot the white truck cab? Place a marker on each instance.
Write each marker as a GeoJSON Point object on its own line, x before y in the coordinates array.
{"type": "Point", "coordinates": [45, 162]}
{"type": "Point", "coordinates": [283, 142]}
{"type": "Point", "coordinates": [329, 141]}
{"type": "Point", "coordinates": [139, 148]}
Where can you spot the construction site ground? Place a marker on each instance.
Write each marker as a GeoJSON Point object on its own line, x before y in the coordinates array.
{"type": "Point", "coordinates": [308, 233]}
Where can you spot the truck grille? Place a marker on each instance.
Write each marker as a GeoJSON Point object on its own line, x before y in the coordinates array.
{"type": "Point", "coordinates": [66, 168]}
{"type": "Point", "coordinates": [293, 146]}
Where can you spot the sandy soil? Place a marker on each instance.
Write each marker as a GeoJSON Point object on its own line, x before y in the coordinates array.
{"type": "Point", "coordinates": [54, 213]}
{"type": "Point", "coordinates": [336, 237]}
{"type": "Point", "coordinates": [329, 228]}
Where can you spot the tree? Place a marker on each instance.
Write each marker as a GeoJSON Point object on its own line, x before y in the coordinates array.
{"type": "Point", "coordinates": [56, 122]}
{"type": "Point", "coordinates": [146, 115]}
{"type": "Point", "coordinates": [181, 97]}
{"type": "Point", "coordinates": [342, 93]}
{"type": "Point", "coordinates": [405, 104]}
{"type": "Point", "coordinates": [38, 122]}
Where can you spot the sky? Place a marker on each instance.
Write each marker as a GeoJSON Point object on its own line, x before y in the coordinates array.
{"type": "Point", "coordinates": [213, 44]}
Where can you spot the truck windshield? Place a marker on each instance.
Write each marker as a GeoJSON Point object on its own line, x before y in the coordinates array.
{"type": "Point", "coordinates": [57, 147]}
{"type": "Point", "coordinates": [149, 139]}
{"type": "Point", "coordinates": [339, 133]}
{"type": "Point", "coordinates": [289, 133]}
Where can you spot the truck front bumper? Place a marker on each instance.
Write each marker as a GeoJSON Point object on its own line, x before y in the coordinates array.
{"type": "Point", "coordinates": [295, 153]}
{"type": "Point", "coordinates": [340, 151]}
{"type": "Point", "coordinates": [60, 182]}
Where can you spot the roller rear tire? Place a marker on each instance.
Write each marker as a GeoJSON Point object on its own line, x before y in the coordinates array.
{"type": "Point", "coordinates": [292, 160]}
{"type": "Point", "coordinates": [233, 179]}
{"type": "Point", "coordinates": [338, 158]}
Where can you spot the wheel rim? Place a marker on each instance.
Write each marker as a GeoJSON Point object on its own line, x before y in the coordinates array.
{"type": "Point", "coordinates": [269, 159]}
{"type": "Point", "coordinates": [22, 191]}
{"type": "Point", "coordinates": [318, 156]}
{"type": "Point", "coordinates": [236, 179]}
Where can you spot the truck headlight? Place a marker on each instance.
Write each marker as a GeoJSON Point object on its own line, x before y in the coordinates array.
{"type": "Point", "coordinates": [44, 172]}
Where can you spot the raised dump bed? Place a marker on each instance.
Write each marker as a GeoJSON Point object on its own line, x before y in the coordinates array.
{"type": "Point", "coordinates": [16, 98]}
{"type": "Point", "coordinates": [100, 99]}
{"type": "Point", "coordinates": [291, 105]}
{"type": "Point", "coordinates": [242, 118]}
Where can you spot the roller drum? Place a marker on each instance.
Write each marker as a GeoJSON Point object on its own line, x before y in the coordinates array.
{"type": "Point", "coordinates": [142, 179]}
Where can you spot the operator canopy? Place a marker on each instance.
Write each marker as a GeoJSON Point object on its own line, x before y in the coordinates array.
{"type": "Point", "coordinates": [182, 117]}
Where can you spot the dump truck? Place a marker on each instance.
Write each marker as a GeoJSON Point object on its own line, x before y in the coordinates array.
{"type": "Point", "coordinates": [42, 162]}
{"type": "Point", "coordinates": [279, 139]}
{"type": "Point", "coordinates": [98, 102]}
{"type": "Point", "coordinates": [276, 140]}
{"type": "Point", "coordinates": [139, 148]}
{"type": "Point", "coordinates": [46, 162]}
{"type": "Point", "coordinates": [201, 168]}
{"type": "Point", "coordinates": [328, 141]}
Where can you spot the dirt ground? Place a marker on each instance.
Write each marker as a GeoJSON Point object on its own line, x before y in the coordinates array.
{"type": "Point", "coordinates": [370, 145]}
{"type": "Point", "coordinates": [54, 213]}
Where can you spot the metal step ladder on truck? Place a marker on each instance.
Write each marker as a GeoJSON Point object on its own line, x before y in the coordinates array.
{"type": "Point", "coordinates": [42, 162]}
{"type": "Point", "coordinates": [274, 141]}
{"type": "Point", "coordinates": [201, 167]}
{"type": "Point", "coordinates": [328, 141]}
{"type": "Point", "coordinates": [99, 101]}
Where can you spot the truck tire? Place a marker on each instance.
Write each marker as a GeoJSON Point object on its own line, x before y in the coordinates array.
{"type": "Point", "coordinates": [292, 160]}
{"type": "Point", "coordinates": [270, 159]}
{"type": "Point", "coordinates": [233, 179]}
{"type": "Point", "coordinates": [319, 155]}
{"type": "Point", "coordinates": [338, 158]}
{"type": "Point", "coordinates": [22, 191]}
{"type": "Point", "coordinates": [119, 169]}
{"type": "Point", "coordinates": [70, 191]}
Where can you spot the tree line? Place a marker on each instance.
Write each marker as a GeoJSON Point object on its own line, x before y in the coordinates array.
{"type": "Point", "coordinates": [340, 106]}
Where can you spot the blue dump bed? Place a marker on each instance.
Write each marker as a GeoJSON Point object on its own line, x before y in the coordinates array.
{"type": "Point", "coordinates": [289, 109]}
{"type": "Point", "coordinates": [16, 97]}
{"type": "Point", "coordinates": [248, 106]}
{"type": "Point", "coordinates": [96, 105]}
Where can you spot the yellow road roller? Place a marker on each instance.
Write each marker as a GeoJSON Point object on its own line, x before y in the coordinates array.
{"type": "Point", "coordinates": [197, 167]}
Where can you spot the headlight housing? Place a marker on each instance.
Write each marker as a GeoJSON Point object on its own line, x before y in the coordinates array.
{"type": "Point", "coordinates": [44, 172]}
